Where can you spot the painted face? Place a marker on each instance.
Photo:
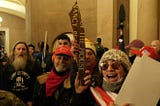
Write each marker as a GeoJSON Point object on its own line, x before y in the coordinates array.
{"type": "Point", "coordinates": [90, 58]}
{"type": "Point", "coordinates": [113, 71]}
{"type": "Point", "coordinates": [63, 42]}
{"type": "Point", "coordinates": [20, 50]}
{"type": "Point", "coordinates": [62, 62]}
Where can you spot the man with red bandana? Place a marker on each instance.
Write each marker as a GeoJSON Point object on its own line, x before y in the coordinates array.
{"type": "Point", "coordinates": [60, 82]}
{"type": "Point", "coordinates": [57, 89]}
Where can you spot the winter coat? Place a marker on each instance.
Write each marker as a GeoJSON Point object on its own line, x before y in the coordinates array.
{"type": "Point", "coordinates": [62, 96]}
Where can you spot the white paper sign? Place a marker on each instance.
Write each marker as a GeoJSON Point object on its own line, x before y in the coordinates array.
{"type": "Point", "coordinates": [142, 84]}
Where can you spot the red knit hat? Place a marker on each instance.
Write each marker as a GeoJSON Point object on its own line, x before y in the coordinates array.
{"type": "Point", "coordinates": [146, 50]}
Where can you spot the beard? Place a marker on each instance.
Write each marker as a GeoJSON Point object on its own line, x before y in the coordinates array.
{"type": "Point", "coordinates": [61, 68]}
{"type": "Point", "coordinates": [113, 87]}
{"type": "Point", "coordinates": [19, 63]}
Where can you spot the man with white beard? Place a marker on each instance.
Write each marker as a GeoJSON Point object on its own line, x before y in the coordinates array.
{"type": "Point", "coordinates": [23, 76]}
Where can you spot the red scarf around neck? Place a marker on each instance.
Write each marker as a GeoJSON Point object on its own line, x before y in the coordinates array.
{"type": "Point", "coordinates": [53, 81]}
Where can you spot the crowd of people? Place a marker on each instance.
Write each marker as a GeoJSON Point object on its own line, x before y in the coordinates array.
{"type": "Point", "coordinates": [31, 78]}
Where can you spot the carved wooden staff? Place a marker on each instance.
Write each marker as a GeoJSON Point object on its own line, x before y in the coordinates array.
{"type": "Point", "coordinates": [78, 31]}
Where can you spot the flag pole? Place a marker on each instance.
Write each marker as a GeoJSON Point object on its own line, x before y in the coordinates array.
{"type": "Point", "coordinates": [43, 64]}
{"type": "Point", "coordinates": [45, 43]}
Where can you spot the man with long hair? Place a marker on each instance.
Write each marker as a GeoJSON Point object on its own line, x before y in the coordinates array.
{"type": "Point", "coordinates": [25, 70]}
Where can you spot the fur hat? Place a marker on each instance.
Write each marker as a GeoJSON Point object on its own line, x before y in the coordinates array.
{"type": "Point", "coordinates": [135, 43]}
{"type": "Point", "coordinates": [148, 50]}
{"type": "Point", "coordinates": [90, 45]}
{"type": "Point", "coordinates": [118, 55]}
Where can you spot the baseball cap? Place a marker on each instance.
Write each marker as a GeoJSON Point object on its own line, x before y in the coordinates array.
{"type": "Point", "coordinates": [66, 50]}
{"type": "Point", "coordinates": [135, 43]}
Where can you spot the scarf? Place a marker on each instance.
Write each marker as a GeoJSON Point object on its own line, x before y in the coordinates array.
{"type": "Point", "coordinates": [113, 87]}
{"type": "Point", "coordinates": [53, 82]}
{"type": "Point", "coordinates": [101, 96]}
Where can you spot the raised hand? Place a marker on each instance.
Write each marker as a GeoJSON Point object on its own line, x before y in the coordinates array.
{"type": "Point", "coordinates": [80, 88]}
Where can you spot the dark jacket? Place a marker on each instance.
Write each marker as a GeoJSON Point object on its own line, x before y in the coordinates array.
{"type": "Point", "coordinates": [66, 96]}
{"type": "Point", "coordinates": [5, 72]}
{"type": "Point", "coordinates": [86, 98]}
{"type": "Point", "coordinates": [62, 96]}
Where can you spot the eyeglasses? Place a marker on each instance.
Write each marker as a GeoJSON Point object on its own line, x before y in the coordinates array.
{"type": "Point", "coordinates": [115, 65]}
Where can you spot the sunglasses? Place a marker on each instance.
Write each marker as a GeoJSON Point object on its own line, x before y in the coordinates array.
{"type": "Point", "coordinates": [115, 65]}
